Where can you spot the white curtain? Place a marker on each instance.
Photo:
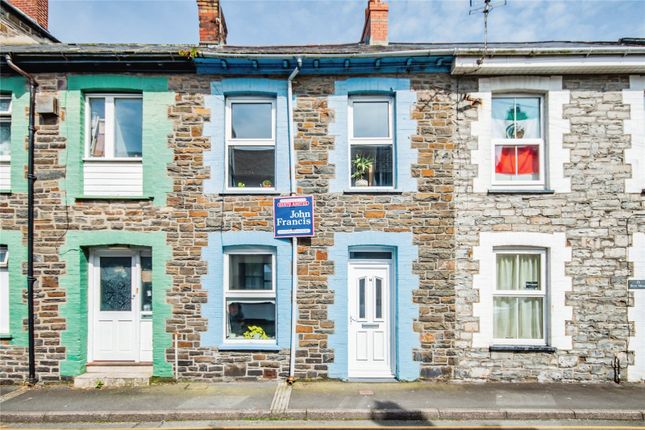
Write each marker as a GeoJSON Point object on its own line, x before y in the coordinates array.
{"type": "Point", "coordinates": [518, 317]}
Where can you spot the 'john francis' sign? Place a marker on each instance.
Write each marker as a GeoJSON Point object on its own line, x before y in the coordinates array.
{"type": "Point", "coordinates": [293, 216]}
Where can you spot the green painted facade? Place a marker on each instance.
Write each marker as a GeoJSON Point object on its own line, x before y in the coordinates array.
{"type": "Point", "coordinates": [74, 282]}
{"type": "Point", "coordinates": [17, 87]}
{"type": "Point", "coordinates": [17, 285]}
{"type": "Point", "coordinates": [156, 128]}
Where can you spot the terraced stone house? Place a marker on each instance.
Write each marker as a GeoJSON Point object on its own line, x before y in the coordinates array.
{"type": "Point", "coordinates": [479, 211]}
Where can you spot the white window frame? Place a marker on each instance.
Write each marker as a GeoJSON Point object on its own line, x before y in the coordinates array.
{"type": "Point", "coordinates": [5, 116]}
{"type": "Point", "coordinates": [541, 143]}
{"type": "Point", "coordinates": [250, 296]}
{"type": "Point", "coordinates": [542, 293]}
{"type": "Point", "coordinates": [5, 307]}
{"type": "Point", "coordinates": [370, 141]}
{"type": "Point", "coordinates": [109, 126]}
{"type": "Point", "coordinates": [237, 142]}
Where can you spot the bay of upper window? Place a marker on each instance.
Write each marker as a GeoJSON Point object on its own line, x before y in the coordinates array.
{"type": "Point", "coordinates": [371, 143]}
{"type": "Point", "coordinates": [517, 132]}
{"type": "Point", "coordinates": [114, 126]}
{"type": "Point", "coordinates": [5, 127]}
{"type": "Point", "coordinates": [250, 144]}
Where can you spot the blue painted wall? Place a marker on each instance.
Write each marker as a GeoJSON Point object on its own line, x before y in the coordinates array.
{"type": "Point", "coordinates": [213, 282]}
{"type": "Point", "coordinates": [215, 129]}
{"type": "Point", "coordinates": [405, 127]}
{"type": "Point", "coordinates": [406, 340]}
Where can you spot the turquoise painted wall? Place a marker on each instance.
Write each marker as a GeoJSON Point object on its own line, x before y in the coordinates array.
{"type": "Point", "coordinates": [213, 283]}
{"type": "Point", "coordinates": [405, 156]}
{"type": "Point", "coordinates": [74, 282]}
{"type": "Point", "coordinates": [156, 127]}
{"type": "Point", "coordinates": [17, 286]}
{"type": "Point", "coordinates": [17, 87]}
{"type": "Point", "coordinates": [406, 339]}
{"type": "Point", "coordinates": [216, 102]}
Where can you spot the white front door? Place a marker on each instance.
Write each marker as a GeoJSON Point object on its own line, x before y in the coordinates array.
{"type": "Point", "coordinates": [114, 303]}
{"type": "Point", "coordinates": [369, 321]}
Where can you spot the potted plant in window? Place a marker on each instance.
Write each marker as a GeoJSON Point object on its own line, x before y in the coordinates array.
{"type": "Point", "coordinates": [255, 332]}
{"type": "Point", "coordinates": [241, 184]}
{"type": "Point", "coordinates": [362, 166]}
{"type": "Point", "coordinates": [267, 183]}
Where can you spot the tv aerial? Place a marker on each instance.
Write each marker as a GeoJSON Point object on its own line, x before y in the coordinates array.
{"type": "Point", "coordinates": [485, 9]}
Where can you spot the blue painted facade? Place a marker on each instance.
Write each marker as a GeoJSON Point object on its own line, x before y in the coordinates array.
{"type": "Point", "coordinates": [404, 155]}
{"type": "Point", "coordinates": [216, 157]}
{"type": "Point", "coordinates": [405, 340]}
{"type": "Point", "coordinates": [213, 282]}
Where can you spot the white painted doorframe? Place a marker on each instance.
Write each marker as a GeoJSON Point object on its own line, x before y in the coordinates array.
{"type": "Point", "coordinates": [368, 326]}
{"type": "Point", "coordinates": [131, 331]}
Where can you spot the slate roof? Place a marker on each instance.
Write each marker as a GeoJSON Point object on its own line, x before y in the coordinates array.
{"type": "Point", "coordinates": [623, 46]}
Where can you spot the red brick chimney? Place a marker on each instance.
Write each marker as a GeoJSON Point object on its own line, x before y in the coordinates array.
{"type": "Point", "coordinates": [375, 29]}
{"type": "Point", "coordinates": [38, 10]}
{"type": "Point", "coordinates": [212, 26]}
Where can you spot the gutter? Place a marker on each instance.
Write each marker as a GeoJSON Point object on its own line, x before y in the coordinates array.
{"type": "Point", "coordinates": [294, 240]}
{"type": "Point", "coordinates": [33, 85]}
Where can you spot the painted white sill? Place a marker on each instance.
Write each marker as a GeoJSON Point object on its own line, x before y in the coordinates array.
{"type": "Point", "coordinates": [250, 191]}
{"type": "Point", "coordinates": [114, 197]}
{"type": "Point", "coordinates": [248, 347]}
{"type": "Point", "coordinates": [522, 348]}
{"type": "Point", "coordinates": [520, 191]}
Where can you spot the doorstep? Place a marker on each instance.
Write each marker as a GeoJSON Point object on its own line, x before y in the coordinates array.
{"type": "Point", "coordinates": [114, 375]}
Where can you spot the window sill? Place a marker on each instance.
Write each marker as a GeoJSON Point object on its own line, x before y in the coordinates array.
{"type": "Point", "coordinates": [522, 348]}
{"type": "Point", "coordinates": [248, 347]}
{"type": "Point", "coordinates": [135, 198]}
{"type": "Point", "coordinates": [519, 191]}
{"type": "Point", "coordinates": [376, 192]}
{"type": "Point", "coordinates": [250, 193]}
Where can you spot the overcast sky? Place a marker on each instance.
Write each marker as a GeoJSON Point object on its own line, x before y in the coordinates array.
{"type": "Point", "coordinates": [300, 22]}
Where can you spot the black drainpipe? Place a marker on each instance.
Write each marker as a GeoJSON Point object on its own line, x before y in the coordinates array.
{"type": "Point", "coordinates": [31, 379]}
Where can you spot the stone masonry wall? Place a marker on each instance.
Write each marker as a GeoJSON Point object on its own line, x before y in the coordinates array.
{"type": "Point", "coordinates": [594, 216]}
{"type": "Point", "coordinates": [444, 216]}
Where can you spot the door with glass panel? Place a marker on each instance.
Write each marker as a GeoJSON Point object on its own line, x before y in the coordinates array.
{"type": "Point", "coordinates": [120, 305]}
{"type": "Point", "coordinates": [369, 321]}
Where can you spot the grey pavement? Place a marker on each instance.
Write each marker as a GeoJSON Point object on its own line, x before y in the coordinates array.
{"type": "Point", "coordinates": [327, 401]}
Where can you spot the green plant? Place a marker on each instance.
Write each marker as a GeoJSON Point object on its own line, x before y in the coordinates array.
{"type": "Point", "coordinates": [99, 384]}
{"type": "Point", "coordinates": [255, 332]}
{"type": "Point", "coordinates": [241, 184]}
{"type": "Point", "coordinates": [362, 166]}
{"type": "Point", "coordinates": [191, 53]}
{"type": "Point", "coordinates": [267, 183]}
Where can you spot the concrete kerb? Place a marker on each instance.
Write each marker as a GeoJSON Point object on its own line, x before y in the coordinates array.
{"type": "Point", "coordinates": [323, 414]}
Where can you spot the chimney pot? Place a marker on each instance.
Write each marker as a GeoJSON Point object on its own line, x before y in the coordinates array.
{"type": "Point", "coordinates": [212, 26]}
{"type": "Point", "coordinates": [376, 23]}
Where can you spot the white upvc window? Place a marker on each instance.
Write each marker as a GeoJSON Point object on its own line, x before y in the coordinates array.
{"type": "Point", "coordinates": [4, 290]}
{"type": "Point", "coordinates": [5, 128]}
{"type": "Point", "coordinates": [250, 143]}
{"type": "Point", "coordinates": [113, 127]}
{"type": "Point", "coordinates": [518, 141]}
{"type": "Point", "coordinates": [520, 297]}
{"type": "Point", "coordinates": [371, 142]}
{"type": "Point", "coordinates": [250, 297]}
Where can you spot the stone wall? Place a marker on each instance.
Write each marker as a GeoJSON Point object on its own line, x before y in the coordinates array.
{"type": "Point", "coordinates": [444, 217]}
{"type": "Point", "coordinates": [594, 216]}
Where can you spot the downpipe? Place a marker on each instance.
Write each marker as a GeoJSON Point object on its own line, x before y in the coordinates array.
{"type": "Point", "coordinates": [31, 178]}
{"type": "Point", "coordinates": [294, 241]}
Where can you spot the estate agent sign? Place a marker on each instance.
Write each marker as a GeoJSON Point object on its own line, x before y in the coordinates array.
{"type": "Point", "coordinates": [293, 216]}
